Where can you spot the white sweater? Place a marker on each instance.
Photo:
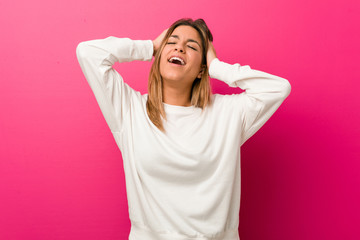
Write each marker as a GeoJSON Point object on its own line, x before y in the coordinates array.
{"type": "Point", "coordinates": [185, 183]}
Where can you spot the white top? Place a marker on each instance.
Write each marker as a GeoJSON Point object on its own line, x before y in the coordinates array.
{"type": "Point", "coordinates": [185, 183]}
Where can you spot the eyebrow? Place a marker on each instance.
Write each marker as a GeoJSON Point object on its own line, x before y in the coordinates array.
{"type": "Point", "coordinates": [189, 40]}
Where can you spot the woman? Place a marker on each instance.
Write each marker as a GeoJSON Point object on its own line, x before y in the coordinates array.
{"type": "Point", "coordinates": [180, 144]}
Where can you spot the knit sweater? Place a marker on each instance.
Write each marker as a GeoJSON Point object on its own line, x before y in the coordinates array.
{"type": "Point", "coordinates": [184, 183]}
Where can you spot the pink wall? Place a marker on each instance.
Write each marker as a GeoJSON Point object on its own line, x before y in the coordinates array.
{"type": "Point", "coordinates": [61, 174]}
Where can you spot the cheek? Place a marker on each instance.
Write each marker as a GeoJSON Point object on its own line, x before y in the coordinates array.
{"type": "Point", "coordinates": [163, 55]}
{"type": "Point", "coordinates": [165, 50]}
{"type": "Point", "coordinates": [196, 56]}
{"type": "Point", "coordinates": [162, 60]}
{"type": "Point", "coordinates": [162, 65]}
{"type": "Point", "coordinates": [197, 61]}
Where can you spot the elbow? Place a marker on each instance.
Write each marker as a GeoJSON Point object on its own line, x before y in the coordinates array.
{"type": "Point", "coordinates": [81, 50]}
{"type": "Point", "coordinates": [285, 89]}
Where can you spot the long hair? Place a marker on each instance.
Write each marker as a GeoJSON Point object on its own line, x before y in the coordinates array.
{"type": "Point", "coordinates": [201, 89]}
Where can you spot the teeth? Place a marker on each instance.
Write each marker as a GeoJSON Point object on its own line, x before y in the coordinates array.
{"type": "Point", "coordinates": [176, 58]}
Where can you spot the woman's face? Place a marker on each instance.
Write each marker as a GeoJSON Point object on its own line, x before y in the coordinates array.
{"type": "Point", "coordinates": [180, 60]}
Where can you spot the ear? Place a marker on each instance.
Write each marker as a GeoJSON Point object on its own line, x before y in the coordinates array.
{"type": "Point", "coordinates": [201, 71]}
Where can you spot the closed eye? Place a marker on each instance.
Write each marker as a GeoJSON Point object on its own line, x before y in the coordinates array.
{"type": "Point", "coordinates": [192, 48]}
{"type": "Point", "coordinates": [187, 45]}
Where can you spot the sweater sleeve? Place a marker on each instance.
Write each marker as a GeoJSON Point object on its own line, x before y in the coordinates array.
{"type": "Point", "coordinates": [96, 58]}
{"type": "Point", "coordinates": [263, 94]}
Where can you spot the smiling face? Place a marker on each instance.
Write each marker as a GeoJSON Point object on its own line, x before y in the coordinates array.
{"type": "Point", "coordinates": [181, 58]}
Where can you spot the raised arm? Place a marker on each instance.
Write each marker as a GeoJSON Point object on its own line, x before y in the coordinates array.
{"type": "Point", "coordinates": [96, 58]}
{"type": "Point", "coordinates": [263, 94]}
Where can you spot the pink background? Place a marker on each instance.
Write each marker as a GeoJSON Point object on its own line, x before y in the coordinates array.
{"type": "Point", "coordinates": [61, 173]}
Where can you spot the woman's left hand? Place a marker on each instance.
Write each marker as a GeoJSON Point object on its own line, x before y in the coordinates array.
{"type": "Point", "coordinates": [211, 54]}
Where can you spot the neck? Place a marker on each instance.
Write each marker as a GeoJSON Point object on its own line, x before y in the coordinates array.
{"type": "Point", "coordinates": [176, 95]}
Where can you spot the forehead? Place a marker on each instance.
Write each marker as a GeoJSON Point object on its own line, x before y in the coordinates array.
{"type": "Point", "coordinates": [187, 32]}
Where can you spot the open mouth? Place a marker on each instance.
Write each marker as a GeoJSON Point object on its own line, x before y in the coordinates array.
{"type": "Point", "coordinates": [176, 60]}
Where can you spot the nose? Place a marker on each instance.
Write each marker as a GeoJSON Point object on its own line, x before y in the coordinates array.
{"type": "Point", "coordinates": [179, 48]}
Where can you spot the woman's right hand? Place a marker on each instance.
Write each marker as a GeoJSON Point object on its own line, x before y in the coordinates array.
{"type": "Point", "coordinates": [158, 40]}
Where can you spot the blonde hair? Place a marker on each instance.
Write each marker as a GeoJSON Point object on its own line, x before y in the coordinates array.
{"type": "Point", "coordinates": [201, 89]}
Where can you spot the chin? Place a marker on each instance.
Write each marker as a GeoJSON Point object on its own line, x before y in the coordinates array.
{"type": "Point", "coordinates": [171, 79]}
{"type": "Point", "coordinates": [172, 76]}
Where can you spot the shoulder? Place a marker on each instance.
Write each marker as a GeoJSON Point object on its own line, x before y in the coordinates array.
{"type": "Point", "coordinates": [228, 104]}
{"type": "Point", "coordinates": [220, 100]}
